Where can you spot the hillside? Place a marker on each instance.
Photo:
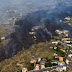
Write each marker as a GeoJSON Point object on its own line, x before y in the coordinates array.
{"type": "Point", "coordinates": [19, 17]}
{"type": "Point", "coordinates": [24, 56]}
{"type": "Point", "coordinates": [34, 28]}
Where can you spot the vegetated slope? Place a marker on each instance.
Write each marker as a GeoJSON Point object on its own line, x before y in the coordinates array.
{"type": "Point", "coordinates": [24, 56]}
{"type": "Point", "coordinates": [47, 19]}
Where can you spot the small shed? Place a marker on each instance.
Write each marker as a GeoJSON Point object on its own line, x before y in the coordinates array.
{"type": "Point", "coordinates": [2, 38]}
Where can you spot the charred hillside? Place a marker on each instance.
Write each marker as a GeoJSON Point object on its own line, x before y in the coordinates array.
{"type": "Point", "coordinates": [43, 26]}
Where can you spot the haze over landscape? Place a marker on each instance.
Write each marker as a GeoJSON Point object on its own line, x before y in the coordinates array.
{"type": "Point", "coordinates": [23, 7]}
{"type": "Point", "coordinates": [24, 23]}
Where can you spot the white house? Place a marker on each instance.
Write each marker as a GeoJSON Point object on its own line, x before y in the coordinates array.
{"type": "Point", "coordinates": [61, 68]}
{"type": "Point", "coordinates": [67, 18]}
{"type": "Point", "coordinates": [69, 45]}
{"type": "Point", "coordinates": [70, 55]}
{"type": "Point", "coordinates": [70, 50]}
{"type": "Point", "coordinates": [55, 47]}
{"type": "Point", "coordinates": [65, 31]}
{"type": "Point", "coordinates": [2, 38]}
{"type": "Point", "coordinates": [68, 41]}
{"type": "Point", "coordinates": [51, 47]}
{"type": "Point", "coordinates": [55, 42]}
{"type": "Point", "coordinates": [55, 54]}
{"type": "Point", "coordinates": [67, 61]}
{"type": "Point", "coordinates": [58, 31]}
{"type": "Point", "coordinates": [39, 59]}
{"type": "Point", "coordinates": [42, 66]}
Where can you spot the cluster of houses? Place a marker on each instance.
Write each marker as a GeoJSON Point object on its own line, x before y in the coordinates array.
{"type": "Point", "coordinates": [36, 66]}
{"type": "Point", "coordinates": [65, 32]}
{"type": "Point", "coordinates": [56, 42]}
{"type": "Point", "coordinates": [68, 19]}
{"type": "Point", "coordinates": [61, 66]}
{"type": "Point", "coordinates": [69, 59]}
{"type": "Point", "coordinates": [67, 42]}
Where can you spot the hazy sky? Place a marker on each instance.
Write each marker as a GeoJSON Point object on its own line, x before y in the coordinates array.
{"type": "Point", "coordinates": [31, 3]}
{"type": "Point", "coordinates": [29, 6]}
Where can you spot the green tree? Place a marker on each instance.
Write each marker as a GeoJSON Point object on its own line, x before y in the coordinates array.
{"type": "Point", "coordinates": [0, 69]}
{"type": "Point", "coordinates": [30, 66]}
{"type": "Point", "coordinates": [0, 40]}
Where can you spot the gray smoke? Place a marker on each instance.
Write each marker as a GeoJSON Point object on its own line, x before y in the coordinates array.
{"type": "Point", "coordinates": [20, 16]}
{"type": "Point", "coordinates": [15, 8]}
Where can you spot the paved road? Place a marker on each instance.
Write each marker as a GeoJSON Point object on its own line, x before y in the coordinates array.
{"type": "Point", "coordinates": [67, 53]}
{"type": "Point", "coordinates": [69, 65]}
{"type": "Point", "coordinates": [46, 69]}
{"type": "Point", "coordinates": [66, 58]}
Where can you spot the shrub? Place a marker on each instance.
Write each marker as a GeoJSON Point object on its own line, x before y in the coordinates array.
{"type": "Point", "coordinates": [0, 69]}
{"type": "Point", "coordinates": [0, 40]}
{"type": "Point", "coordinates": [30, 66]}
